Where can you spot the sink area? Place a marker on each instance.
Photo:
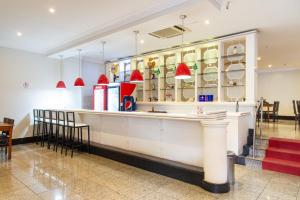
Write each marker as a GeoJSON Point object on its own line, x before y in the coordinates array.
{"type": "Point", "coordinates": [157, 111]}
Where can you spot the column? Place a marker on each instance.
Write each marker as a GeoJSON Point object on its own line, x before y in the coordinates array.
{"type": "Point", "coordinates": [215, 155]}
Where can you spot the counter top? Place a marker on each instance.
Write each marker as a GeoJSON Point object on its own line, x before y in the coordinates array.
{"type": "Point", "coordinates": [215, 115]}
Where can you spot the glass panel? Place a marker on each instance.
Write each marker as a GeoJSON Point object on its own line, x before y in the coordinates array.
{"type": "Point", "coordinates": [186, 87]}
{"type": "Point", "coordinates": [167, 78]}
{"type": "Point", "coordinates": [208, 73]}
{"type": "Point", "coordinates": [139, 87]}
{"type": "Point", "coordinates": [234, 70]}
{"type": "Point", "coordinates": [151, 78]}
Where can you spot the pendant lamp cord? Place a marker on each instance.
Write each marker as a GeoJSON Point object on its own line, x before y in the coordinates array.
{"type": "Point", "coordinates": [61, 67]}
{"type": "Point", "coordinates": [103, 43]}
{"type": "Point", "coordinates": [79, 55]}
{"type": "Point", "coordinates": [136, 47]}
{"type": "Point", "coordinates": [182, 17]}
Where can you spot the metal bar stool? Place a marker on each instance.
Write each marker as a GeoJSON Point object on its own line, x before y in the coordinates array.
{"type": "Point", "coordinates": [40, 126]}
{"type": "Point", "coordinates": [60, 135]}
{"type": "Point", "coordinates": [35, 123]}
{"type": "Point", "coordinates": [52, 128]}
{"type": "Point", "coordinates": [72, 127]}
{"type": "Point", "coordinates": [46, 126]}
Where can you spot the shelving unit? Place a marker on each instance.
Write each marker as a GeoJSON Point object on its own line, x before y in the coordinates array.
{"type": "Point", "coordinates": [215, 71]}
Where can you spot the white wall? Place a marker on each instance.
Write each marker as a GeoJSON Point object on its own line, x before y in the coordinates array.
{"type": "Point", "coordinates": [90, 72]}
{"type": "Point", "coordinates": [280, 85]}
{"type": "Point", "coordinates": [42, 74]}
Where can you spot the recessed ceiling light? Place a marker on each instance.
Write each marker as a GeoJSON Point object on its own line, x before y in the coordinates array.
{"type": "Point", "coordinates": [19, 34]}
{"type": "Point", "coordinates": [52, 10]}
{"type": "Point", "coordinates": [258, 58]}
{"type": "Point", "coordinates": [207, 22]}
{"type": "Point", "coordinates": [270, 66]}
{"type": "Point", "coordinates": [142, 41]}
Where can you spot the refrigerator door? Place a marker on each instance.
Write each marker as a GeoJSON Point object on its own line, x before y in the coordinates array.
{"type": "Point", "coordinates": [100, 96]}
{"type": "Point", "coordinates": [113, 98]}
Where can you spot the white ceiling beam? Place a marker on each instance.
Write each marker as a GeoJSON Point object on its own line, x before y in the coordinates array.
{"type": "Point", "coordinates": [127, 22]}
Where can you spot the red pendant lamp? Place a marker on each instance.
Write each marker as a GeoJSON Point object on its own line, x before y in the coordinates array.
{"type": "Point", "coordinates": [103, 80]}
{"type": "Point", "coordinates": [182, 70]}
{"type": "Point", "coordinates": [79, 81]}
{"type": "Point", "coordinates": [136, 76]}
{"type": "Point", "coordinates": [61, 84]}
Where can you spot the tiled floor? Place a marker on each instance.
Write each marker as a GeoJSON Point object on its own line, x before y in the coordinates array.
{"type": "Point", "coordinates": [281, 129]}
{"type": "Point", "coordinates": [39, 173]}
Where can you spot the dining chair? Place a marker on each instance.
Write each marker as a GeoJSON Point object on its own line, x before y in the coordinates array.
{"type": "Point", "coordinates": [275, 110]}
{"type": "Point", "coordinates": [4, 137]}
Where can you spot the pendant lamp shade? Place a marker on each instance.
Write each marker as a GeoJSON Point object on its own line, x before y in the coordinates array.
{"type": "Point", "coordinates": [182, 71]}
{"type": "Point", "coordinates": [136, 76]}
{"type": "Point", "coordinates": [61, 84]}
{"type": "Point", "coordinates": [79, 81]}
{"type": "Point", "coordinates": [103, 80]}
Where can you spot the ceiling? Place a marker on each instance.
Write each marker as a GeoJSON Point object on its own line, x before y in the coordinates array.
{"type": "Point", "coordinates": [85, 24]}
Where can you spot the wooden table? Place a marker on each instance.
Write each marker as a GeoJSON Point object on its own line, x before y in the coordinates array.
{"type": "Point", "coordinates": [9, 128]}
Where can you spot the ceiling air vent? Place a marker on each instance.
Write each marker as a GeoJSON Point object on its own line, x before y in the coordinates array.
{"type": "Point", "coordinates": [170, 32]}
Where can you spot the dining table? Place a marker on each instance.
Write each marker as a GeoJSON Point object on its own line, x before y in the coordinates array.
{"type": "Point", "coordinates": [9, 129]}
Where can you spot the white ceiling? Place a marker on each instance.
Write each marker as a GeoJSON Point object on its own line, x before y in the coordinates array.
{"type": "Point", "coordinates": [85, 24]}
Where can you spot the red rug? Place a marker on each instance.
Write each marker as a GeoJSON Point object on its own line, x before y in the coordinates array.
{"type": "Point", "coordinates": [283, 155]}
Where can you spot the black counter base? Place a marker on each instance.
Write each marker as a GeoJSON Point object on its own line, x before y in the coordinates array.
{"type": "Point", "coordinates": [216, 188]}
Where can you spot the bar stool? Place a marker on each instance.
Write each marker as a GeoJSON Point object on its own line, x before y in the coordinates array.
{"type": "Point", "coordinates": [72, 127]}
{"type": "Point", "coordinates": [52, 128]}
{"type": "Point", "coordinates": [35, 123]}
{"type": "Point", "coordinates": [40, 126]}
{"type": "Point", "coordinates": [60, 135]}
{"type": "Point", "coordinates": [46, 120]}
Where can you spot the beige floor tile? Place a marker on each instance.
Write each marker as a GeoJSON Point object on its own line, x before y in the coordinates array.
{"type": "Point", "coordinates": [39, 173]}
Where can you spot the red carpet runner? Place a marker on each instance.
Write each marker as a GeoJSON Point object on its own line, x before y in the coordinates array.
{"type": "Point", "coordinates": [283, 155]}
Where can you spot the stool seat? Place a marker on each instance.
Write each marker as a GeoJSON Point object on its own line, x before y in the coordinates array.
{"type": "Point", "coordinates": [77, 125]}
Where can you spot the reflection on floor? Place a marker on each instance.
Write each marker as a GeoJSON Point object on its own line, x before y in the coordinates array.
{"type": "Point", "coordinates": [281, 129]}
{"type": "Point", "coordinates": [39, 173]}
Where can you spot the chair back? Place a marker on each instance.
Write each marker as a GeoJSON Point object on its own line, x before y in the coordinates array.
{"type": "Point", "coordinates": [8, 121]}
{"type": "Point", "coordinates": [61, 118]}
{"type": "Point", "coordinates": [41, 115]}
{"type": "Point", "coordinates": [47, 115]}
{"type": "Point", "coordinates": [71, 119]}
{"type": "Point", "coordinates": [276, 106]}
{"type": "Point", "coordinates": [35, 114]}
{"type": "Point", "coordinates": [53, 116]}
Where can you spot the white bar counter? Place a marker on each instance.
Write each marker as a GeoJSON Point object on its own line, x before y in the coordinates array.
{"type": "Point", "coordinates": [176, 137]}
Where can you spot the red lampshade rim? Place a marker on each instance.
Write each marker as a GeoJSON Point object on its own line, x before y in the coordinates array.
{"type": "Point", "coordinates": [79, 82]}
{"type": "Point", "coordinates": [136, 76]}
{"type": "Point", "coordinates": [60, 85]}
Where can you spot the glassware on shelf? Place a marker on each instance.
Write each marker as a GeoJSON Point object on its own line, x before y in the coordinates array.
{"type": "Point", "coordinates": [235, 52]}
